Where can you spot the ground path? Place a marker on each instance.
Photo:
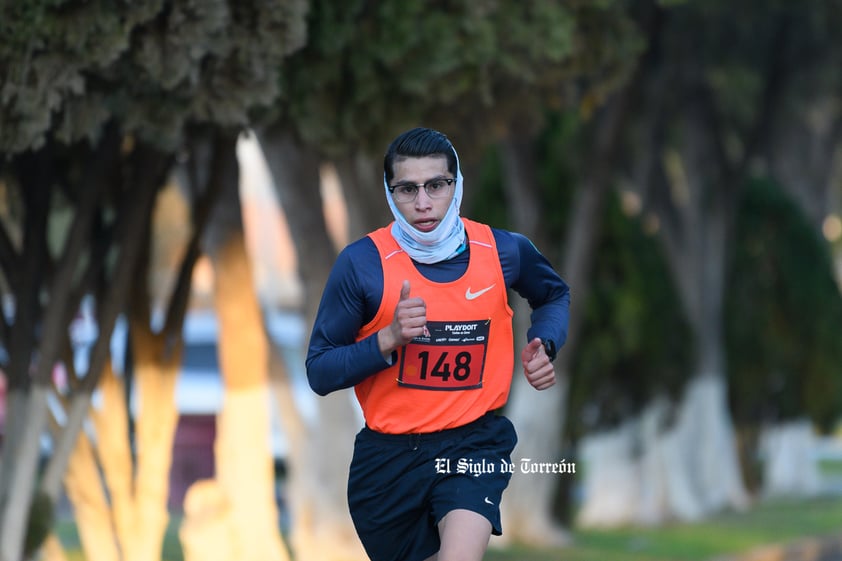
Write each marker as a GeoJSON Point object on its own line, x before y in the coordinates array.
{"type": "Point", "coordinates": [809, 549]}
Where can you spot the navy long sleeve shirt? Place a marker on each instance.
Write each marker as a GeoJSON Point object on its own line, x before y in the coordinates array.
{"type": "Point", "coordinates": [351, 298]}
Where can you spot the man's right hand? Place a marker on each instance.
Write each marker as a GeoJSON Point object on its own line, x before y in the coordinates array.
{"type": "Point", "coordinates": [409, 321]}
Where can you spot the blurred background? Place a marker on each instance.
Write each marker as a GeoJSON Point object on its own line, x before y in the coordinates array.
{"type": "Point", "coordinates": [177, 178]}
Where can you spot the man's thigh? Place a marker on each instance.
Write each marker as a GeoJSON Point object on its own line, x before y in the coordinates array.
{"type": "Point", "coordinates": [464, 536]}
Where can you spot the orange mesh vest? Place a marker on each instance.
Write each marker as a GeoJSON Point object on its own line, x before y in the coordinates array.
{"type": "Point", "coordinates": [463, 369]}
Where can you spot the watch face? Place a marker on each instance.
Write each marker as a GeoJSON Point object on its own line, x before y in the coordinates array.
{"type": "Point", "coordinates": [549, 347]}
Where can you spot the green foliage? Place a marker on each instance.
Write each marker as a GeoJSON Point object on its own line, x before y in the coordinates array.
{"type": "Point", "coordinates": [559, 155]}
{"type": "Point", "coordinates": [784, 315]}
{"type": "Point", "coordinates": [633, 343]}
{"type": "Point", "coordinates": [371, 68]}
{"type": "Point", "coordinates": [746, 52]}
{"type": "Point", "coordinates": [41, 519]}
{"type": "Point", "coordinates": [486, 202]}
{"type": "Point", "coordinates": [561, 152]}
{"type": "Point", "coordinates": [72, 65]}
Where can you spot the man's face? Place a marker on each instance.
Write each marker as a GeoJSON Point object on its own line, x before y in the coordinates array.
{"type": "Point", "coordinates": [425, 212]}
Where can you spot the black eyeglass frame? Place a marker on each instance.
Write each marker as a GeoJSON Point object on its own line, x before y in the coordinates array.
{"type": "Point", "coordinates": [449, 180]}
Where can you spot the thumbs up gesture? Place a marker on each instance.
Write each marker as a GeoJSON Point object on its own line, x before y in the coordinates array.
{"type": "Point", "coordinates": [404, 291]}
{"type": "Point", "coordinates": [409, 321]}
{"type": "Point", "coordinates": [537, 367]}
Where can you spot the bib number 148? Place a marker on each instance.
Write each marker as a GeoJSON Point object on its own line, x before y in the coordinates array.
{"type": "Point", "coordinates": [442, 368]}
{"type": "Point", "coordinates": [446, 367]}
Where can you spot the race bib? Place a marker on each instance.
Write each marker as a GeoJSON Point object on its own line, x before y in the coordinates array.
{"type": "Point", "coordinates": [450, 358]}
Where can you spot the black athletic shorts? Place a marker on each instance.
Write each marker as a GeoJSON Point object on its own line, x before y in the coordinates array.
{"type": "Point", "coordinates": [401, 486]}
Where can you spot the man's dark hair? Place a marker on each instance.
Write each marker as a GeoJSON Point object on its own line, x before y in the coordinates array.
{"type": "Point", "coordinates": [417, 143]}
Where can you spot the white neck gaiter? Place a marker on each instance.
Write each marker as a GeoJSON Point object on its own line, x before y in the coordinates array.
{"type": "Point", "coordinates": [436, 245]}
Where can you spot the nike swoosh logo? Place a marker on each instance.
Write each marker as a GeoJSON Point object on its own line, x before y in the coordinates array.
{"type": "Point", "coordinates": [487, 501]}
{"type": "Point", "coordinates": [471, 295]}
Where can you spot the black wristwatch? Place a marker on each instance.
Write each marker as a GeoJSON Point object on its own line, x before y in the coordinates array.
{"type": "Point", "coordinates": [549, 347]}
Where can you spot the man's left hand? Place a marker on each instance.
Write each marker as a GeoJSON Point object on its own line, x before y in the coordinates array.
{"type": "Point", "coordinates": [537, 367]}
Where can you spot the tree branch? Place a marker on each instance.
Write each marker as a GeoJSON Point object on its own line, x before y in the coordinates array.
{"type": "Point", "coordinates": [204, 200]}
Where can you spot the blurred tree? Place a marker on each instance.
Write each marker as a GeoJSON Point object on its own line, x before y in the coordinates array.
{"type": "Point", "coordinates": [117, 474]}
{"type": "Point", "coordinates": [151, 66]}
{"type": "Point", "coordinates": [96, 253]}
{"type": "Point", "coordinates": [94, 104]}
{"type": "Point", "coordinates": [632, 360]}
{"type": "Point", "coordinates": [803, 149]}
{"type": "Point", "coordinates": [243, 461]}
{"type": "Point", "coordinates": [607, 83]}
{"type": "Point", "coordinates": [541, 418]}
{"type": "Point", "coordinates": [633, 332]}
{"type": "Point", "coordinates": [784, 316]}
{"type": "Point", "coordinates": [710, 115]}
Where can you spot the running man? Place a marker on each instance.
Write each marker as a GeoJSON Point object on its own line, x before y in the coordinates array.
{"type": "Point", "coordinates": [415, 317]}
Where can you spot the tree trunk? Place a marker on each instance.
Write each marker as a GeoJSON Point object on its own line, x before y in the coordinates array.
{"type": "Point", "coordinates": [704, 475]}
{"type": "Point", "coordinates": [95, 519]}
{"type": "Point", "coordinates": [700, 183]}
{"type": "Point", "coordinates": [20, 453]}
{"type": "Point", "coordinates": [700, 448]}
{"type": "Point", "coordinates": [806, 156]}
{"type": "Point", "coordinates": [653, 472]}
{"type": "Point", "coordinates": [790, 468]}
{"type": "Point", "coordinates": [365, 196]}
{"type": "Point", "coordinates": [690, 468]}
{"type": "Point", "coordinates": [155, 427]}
{"type": "Point", "coordinates": [19, 496]}
{"type": "Point", "coordinates": [539, 417]}
{"type": "Point", "coordinates": [130, 524]}
{"type": "Point", "coordinates": [135, 518]}
{"type": "Point", "coordinates": [53, 550]}
{"type": "Point", "coordinates": [244, 475]}
{"type": "Point", "coordinates": [143, 171]}
{"type": "Point", "coordinates": [321, 524]}
{"type": "Point", "coordinates": [611, 486]}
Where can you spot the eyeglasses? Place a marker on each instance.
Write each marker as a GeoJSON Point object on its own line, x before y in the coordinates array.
{"type": "Point", "coordinates": [437, 188]}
